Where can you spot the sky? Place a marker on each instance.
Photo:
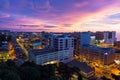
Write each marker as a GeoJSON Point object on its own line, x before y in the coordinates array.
{"type": "Point", "coordinates": [60, 15]}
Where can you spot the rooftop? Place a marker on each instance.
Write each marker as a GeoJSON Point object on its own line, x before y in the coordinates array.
{"type": "Point", "coordinates": [42, 51]}
{"type": "Point", "coordinates": [63, 36]}
{"type": "Point", "coordinates": [81, 65]}
{"type": "Point", "coordinates": [100, 49]}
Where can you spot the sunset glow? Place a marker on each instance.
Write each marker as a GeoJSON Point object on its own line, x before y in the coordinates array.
{"type": "Point", "coordinates": [60, 15]}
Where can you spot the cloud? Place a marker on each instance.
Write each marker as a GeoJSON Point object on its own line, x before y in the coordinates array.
{"type": "Point", "coordinates": [4, 15]}
{"type": "Point", "coordinates": [59, 15]}
{"type": "Point", "coordinates": [81, 4]}
{"type": "Point", "coordinates": [49, 26]}
{"type": "Point", "coordinates": [115, 16]}
{"type": "Point", "coordinates": [28, 25]}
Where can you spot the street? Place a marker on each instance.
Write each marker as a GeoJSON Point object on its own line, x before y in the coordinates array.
{"type": "Point", "coordinates": [23, 48]}
{"type": "Point", "coordinates": [101, 70]}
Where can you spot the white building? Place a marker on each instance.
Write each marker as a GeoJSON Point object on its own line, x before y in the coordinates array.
{"type": "Point", "coordinates": [106, 38]}
{"type": "Point", "coordinates": [61, 51]}
{"type": "Point", "coordinates": [109, 37]}
{"type": "Point", "coordinates": [92, 40]}
{"type": "Point", "coordinates": [62, 42]}
{"type": "Point", "coordinates": [50, 56]}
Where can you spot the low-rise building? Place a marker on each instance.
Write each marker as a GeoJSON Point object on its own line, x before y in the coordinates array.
{"type": "Point", "coordinates": [18, 52]}
{"type": "Point", "coordinates": [60, 50]}
{"type": "Point", "coordinates": [104, 56]}
{"type": "Point", "coordinates": [4, 45]}
{"type": "Point", "coordinates": [37, 45]}
{"type": "Point", "coordinates": [85, 70]}
{"type": "Point", "coordinates": [49, 56]}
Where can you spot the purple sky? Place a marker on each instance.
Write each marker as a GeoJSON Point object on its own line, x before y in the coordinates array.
{"type": "Point", "coordinates": [60, 15]}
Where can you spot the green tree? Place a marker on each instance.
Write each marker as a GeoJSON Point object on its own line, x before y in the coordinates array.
{"type": "Point", "coordinates": [65, 71]}
{"type": "Point", "coordinates": [48, 72]}
{"type": "Point", "coordinates": [29, 73]}
{"type": "Point", "coordinates": [9, 75]}
{"type": "Point", "coordinates": [32, 64]}
{"type": "Point", "coordinates": [3, 66]}
{"type": "Point", "coordinates": [12, 66]}
{"type": "Point", "coordinates": [10, 63]}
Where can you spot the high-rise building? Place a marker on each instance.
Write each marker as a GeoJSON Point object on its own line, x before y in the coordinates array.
{"type": "Point", "coordinates": [60, 50]}
{"type": "Point", "coordinates": [92, 40]}
{"type": "Point", "coordinates": [62, 42]}
{"type": "Point", "coordinates": [106, 37]}
{"type": "Point", "coordinates": [4, 39]}
{"type": "Point", "coordinates": [76, 36]}
{"type": "Point", "coordinates": [85, 38]}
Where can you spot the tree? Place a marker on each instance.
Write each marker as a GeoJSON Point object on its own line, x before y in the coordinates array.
{"type": "Point", "coordinates": [32, 64]}
{"type": "Point", "coordinates": [29, 73]}
{"type": "Point", "coordinates": [65, 71]}
{"type": "Point", "coordinates": [48, 72]}
{"type": "Point", "coordinates": [10, 63]}
{"type": "Point", "coordinates": [3, 66]}
{"type": "Point", "coordinates": [9, 75]}
{"type": "Point", "coordinates": [12, 66]}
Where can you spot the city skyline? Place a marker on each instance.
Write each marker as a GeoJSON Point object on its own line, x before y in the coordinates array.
{"type": "Point", "coordinates": [60, 15]}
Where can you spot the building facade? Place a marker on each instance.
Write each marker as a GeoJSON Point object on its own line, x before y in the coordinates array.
{"type": "Point", "coordinates": [50, 56]}
{"type": "Point", "coordinates": [84, 69]}
{"type": "Point", "coordinates": [60, 50]}
{"type": "Point", "coordinates": [62, 42]}
{"type": "Point", "coordinates": [85, 38]}
{"type": "Point", "coordinates": [106, 38]}
{"type": "Point", "coordinates": [104, 56]}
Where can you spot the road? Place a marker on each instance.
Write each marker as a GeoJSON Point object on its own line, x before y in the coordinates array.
{"type": "Point", "coordinates": [101, 70]}
{"type": "Point", "coordinates": [24, 49]}
{"type": "Point", "coordinates": [11, 51]}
